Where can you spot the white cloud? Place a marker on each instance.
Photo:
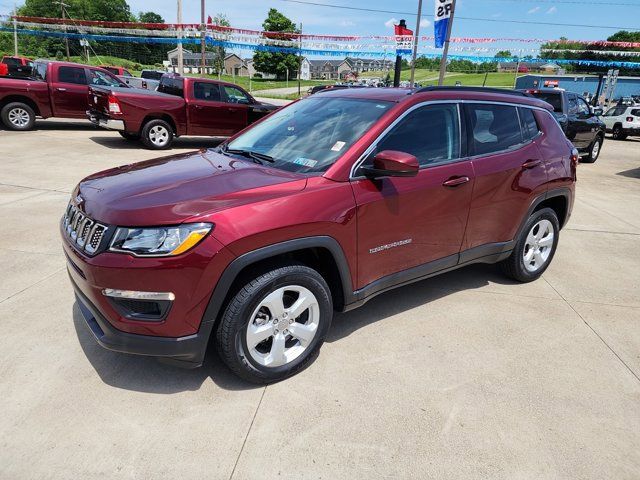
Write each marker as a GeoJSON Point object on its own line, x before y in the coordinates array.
{"type": "Point", "coordinates": [552, 10]}
{"type": "Point", "coordinates": [533, 10]}
{"type": "Point", "coordinates": [391, 22]}
{"type": "Point", "coordinates": [347, 23]}
{"type": "Point", "coordinates": [424, 22]}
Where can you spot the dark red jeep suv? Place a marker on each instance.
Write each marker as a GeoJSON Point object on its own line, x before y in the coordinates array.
{"type": "Point", "coordinates": [318, 207]}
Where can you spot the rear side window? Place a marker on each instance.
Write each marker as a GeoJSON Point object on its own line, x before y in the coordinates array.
{"type": "Point", "coordinates": [151, 75]}
{"type": "Point", "coordinates": [494, 128]}
{"type": "Point", "coordinates": [528, 123]}
{"type": "Point", "coordinates": [72, 75]}
{"type": "Point", "coordinates": [553, 98]}
{"type": "Point", "coordinates": [172, 86]}
{"type": "Point", "coordinates": [635, 112]}
{"type": "Point", "coordinates": [429, 133]}
{"type": "Point", "coordinates": [11, 61]}
{"type": "Point", "coordinates": [206, 91]}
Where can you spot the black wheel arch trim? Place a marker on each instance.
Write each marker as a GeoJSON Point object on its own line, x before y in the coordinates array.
{"type": "Point", "coordinates": [552, 193]}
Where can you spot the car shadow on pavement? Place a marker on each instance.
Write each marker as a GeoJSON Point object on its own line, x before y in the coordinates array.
{"type": "Point", "coordinates": [119, 143]}
{"type": "Point", "coordinates": [146, 374]}
{"type": "Point", "coordinates": [414, 295]}
{"type": "Point", "coordinates": [633, 173]}
{"type": "Point", "coordinates": [64, 125]}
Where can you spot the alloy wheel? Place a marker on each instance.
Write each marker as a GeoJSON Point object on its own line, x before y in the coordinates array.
{"type": "Point", "coordinates": [282, 326]}
{"type": "Point", "coordinates": [159, 135]}
{"type": "Point", "coordinates": [538, 245]}
{"type": "Point", "coordinates": [595, 150]}
{"type": "Point", "coordinates": [19, 117]}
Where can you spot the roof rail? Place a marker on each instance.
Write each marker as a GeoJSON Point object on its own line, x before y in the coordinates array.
{"type": "Point", "coordinates": [504, 91]}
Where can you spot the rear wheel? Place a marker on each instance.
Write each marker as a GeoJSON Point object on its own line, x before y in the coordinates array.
{"type": "Point", "coordinates": [617, 133]}
{"type": "Point", "coordinates": [157, 135]}
{"type": "Point", "coordinates": [535, 247]}
{"type": "Point", "coordinates": [275, 325]}
{"type": "Point", "coordinates": [132, 137]}
{"type": "Point", "coordinates": [594, 151]}
{"type": "Point", "coordinates": [18, 116]}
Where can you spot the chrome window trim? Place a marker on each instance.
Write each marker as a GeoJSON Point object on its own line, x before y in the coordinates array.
{"type": "Point", "coordinates": [358, 163]}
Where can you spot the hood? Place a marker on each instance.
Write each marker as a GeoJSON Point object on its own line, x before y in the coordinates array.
{"type": "Point", "coordinates": [170, 190]}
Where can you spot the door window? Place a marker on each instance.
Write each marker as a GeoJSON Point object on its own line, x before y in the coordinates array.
{"type": "Point", "coordinates": [583, 108]}
{"type": "Point", "coordinates": [429, 133]}
{"type": "Point", "coordinates": [611, 112]}
{"type": "Point", "coordinates": [573, 105]}
{"type": "Point", "coordinates": [494, 128]}
{"type": "Point", "coordinates": [72, 75]}
{"type": "Point", "coordinates": [206, 91]}
{"type": "Point", "coordinates": [528, 123]}
{"type": "Point", "coordinates": [234, 95]}
{"type": "Point", "coordinates": [104, 79]}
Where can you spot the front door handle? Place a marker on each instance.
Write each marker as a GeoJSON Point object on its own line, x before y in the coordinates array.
{"type": "Point", "coordinates": [232, 109]}
{"type": "Point", "coordinates": [60, 89]}
{"type": "Point", "coordinates": [455, 182]}
{"type": "Point", "coordinates": [531, 164]}
{"type": "Point", "coordinates": [199, 107]}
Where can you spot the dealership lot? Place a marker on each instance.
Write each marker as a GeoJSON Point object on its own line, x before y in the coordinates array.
{"type": "Point", "coordinates": [465, 375]}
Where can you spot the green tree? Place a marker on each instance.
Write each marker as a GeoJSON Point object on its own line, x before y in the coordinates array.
{"type": "Point", "coordinates": [150, 17]}
{"type": "Point", "coordinates": [219, 52]}
{"type": "Point", "coordinates": [503, 54]}
{"type": "Point", "coordinates": [277, 63]}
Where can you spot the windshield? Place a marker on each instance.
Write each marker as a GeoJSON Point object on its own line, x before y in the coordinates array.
{"type": "Point", "coordinates": [311, 134]}
{"type": "Point", "coordinates": [554, 98]}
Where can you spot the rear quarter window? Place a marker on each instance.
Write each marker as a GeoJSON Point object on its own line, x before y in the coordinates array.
{"type": "Point", "coordinates": [528, 123]}
{"type": "Point", "coordinates": [635, 112]}
{"type": "Point", "coordinates": [172, 86]}
{"type": "Point", "coordinates": [72, 75]}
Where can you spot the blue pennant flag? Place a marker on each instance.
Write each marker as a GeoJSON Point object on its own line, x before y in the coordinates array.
{"type": "Point", "coordinates": [441, 22]}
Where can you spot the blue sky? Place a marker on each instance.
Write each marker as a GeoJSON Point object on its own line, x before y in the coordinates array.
{"type": "Point", "coordinates": [316, 19]}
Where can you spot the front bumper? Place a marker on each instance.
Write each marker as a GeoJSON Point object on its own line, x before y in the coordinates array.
{"type": "Point", "coordinates": [186, 351]}
{"type": "Point", "coordinates": [103, 122]}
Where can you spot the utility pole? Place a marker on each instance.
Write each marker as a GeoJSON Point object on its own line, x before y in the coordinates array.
{"type": "Point", "coordinates": [203, 61]}
{"type": "Point", "coordinates": [415, 44]}
{"type": "Point", "coordinates": [445, 52]}
{"type": "Point", "coordinates": [299, 58]}
{"type": "Point", "coordinates": [15, 30]}
{"type": "Point", "coordinates": [66, 39]}
{"type": "Point", "coordinates": [180, 53]}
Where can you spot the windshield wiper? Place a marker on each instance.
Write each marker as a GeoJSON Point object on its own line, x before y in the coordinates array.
{"type": "Point", "coordinates": [256, 156]}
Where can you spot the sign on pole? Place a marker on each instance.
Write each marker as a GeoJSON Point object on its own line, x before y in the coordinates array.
{"type": "Point", "coordinates": [404, 39]}
{"type": "Point", "coordinates": [441, 22]}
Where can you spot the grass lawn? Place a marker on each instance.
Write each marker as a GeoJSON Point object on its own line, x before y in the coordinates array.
{"type": "Point", "coordinates": [263, 84]}
{"type": "Point", "coordinates": [430, 77]}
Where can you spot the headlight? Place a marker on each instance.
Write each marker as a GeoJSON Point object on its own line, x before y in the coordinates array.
{"type": "Point", "coordinates": [159, 241]}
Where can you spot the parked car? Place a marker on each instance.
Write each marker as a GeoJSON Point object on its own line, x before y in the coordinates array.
{"type": "Point", "coordinates": [337, 86]}
{"type": "Point", "coordinates": [622, 121]}
{"type": "Point", "coordinates": [147, 83]}
{"type": "Point", "coordinates": [58, 89]}
{"type": "Point", "coordinates": [181, 106]}
{"type": "Point", "coordinates": [578, 120]}
{"type": "Point", "coordinates": [16, 66]}
{"type": "Point", "coordinates": [319, 207]}
{"type": "Point", "coordinates": [117, 71]}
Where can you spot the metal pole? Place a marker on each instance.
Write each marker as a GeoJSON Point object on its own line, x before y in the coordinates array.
{"type": "Point", "coordinates": [15, 30]}
{"type": "Point", "coordinates": [515, 78]}
{"type": "Point", "coordinates": [203, 61]}
{"type": "Point", "coordinates": [415, 43]}
{"type": "Point", "coordinates": [445, 52]}
{"type": "Point", "coordinates": [66, 39]}
{"type": "Point", "coordinates": [180, 53]}
{"type": "Point", "coordinates": [299, 58]}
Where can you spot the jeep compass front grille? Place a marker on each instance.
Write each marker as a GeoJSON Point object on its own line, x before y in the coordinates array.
{"type": "Point", "coordinates": [86, 233]}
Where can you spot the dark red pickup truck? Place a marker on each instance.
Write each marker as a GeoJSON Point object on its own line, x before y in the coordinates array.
{"type": "Point", "coordinates": [56, 89]}
{"type": "Point", "coordinates": [180, 106]}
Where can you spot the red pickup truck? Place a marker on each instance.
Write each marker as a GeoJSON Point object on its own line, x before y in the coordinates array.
{"type": "Point", "coordinates": [180, 106]}
{"type": "Point", "coordinates": [56, 89]}
{"type": "Point", "coordinates": [16, 66]}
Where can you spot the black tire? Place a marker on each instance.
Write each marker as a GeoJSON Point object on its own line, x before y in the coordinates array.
{"type": "Point", "coordinates": [153, 130]}
{"type": "Point", "coordinates": [18, 116]}
{"type": "Point", "coordinates": [593, 152]}
{"type": "Point", "coordinates": [617, 134]}
{"type": "Point", "coordinates": [231, 334]}
{"type": "Point", "coordinates": [514, 266]}
{"type": "Point", "coordinates": [132, 137]}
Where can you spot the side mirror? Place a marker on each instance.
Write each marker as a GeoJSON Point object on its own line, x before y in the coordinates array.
{"type": "Point", "coordinates": [597, 111]}
{"type": "Point", "coordinates": [391, 163]}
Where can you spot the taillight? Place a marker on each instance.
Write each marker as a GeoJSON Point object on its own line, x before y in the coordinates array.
{"type": "Point", "coordinates": [114, 105]}
{"type": "Point", "coordinates": [575, 157]}
{"type": "Point", "coordinates": [629, 119]}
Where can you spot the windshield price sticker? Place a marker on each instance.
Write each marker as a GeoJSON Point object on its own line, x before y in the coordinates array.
{"type": "Point", "coordinates": [306, 162]}
{"type": "Point", "coordinates": [338, 146]}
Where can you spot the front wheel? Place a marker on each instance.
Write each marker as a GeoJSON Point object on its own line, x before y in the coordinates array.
{"type": "Point", "coordinates": [18, 116]}
{"type": "Point", "coordinates": [594, 151]}
{"type": "Point", "coordinates": [157, 135]}
{"type": "Point", "coordinates": [535, 247]}
{"type": "Point", "coordinates": [617, 133]}
{"type": "Point", "coordinates": [275, 325]}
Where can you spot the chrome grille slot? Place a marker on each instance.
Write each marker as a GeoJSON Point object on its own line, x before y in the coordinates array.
{"type": "Point", "coordinates": [83, 230]}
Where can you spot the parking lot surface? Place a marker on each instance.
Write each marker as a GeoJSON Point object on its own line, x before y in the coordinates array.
{"type": "Point", "coordinates": [463, 376]}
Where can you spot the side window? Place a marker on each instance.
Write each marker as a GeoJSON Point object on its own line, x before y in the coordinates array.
{"type": "Point", "coordinates": [528, 123]}
{"type": "Point", "coordinates": [72, 75]}
{"type": "Point", "coordinates": [234, 95]}
{"type": "Point", "coordinates": [620, 111]}
{"type": "Point", "coordinates": [493, 128]}
{"type": "Point", "coordinates": [126, 73]}
{"type": "Point", "coordinates": [635, 112]}
{"type": "Point", "coordinates": [573, 105]}
{"type": "Point", "coordinates": [104, 79]}
{"type": "Point", "coordinates": [206, 91]}
{"type": "Point", "coordinates": [611, 112]}
{"type": "Point", "coordinates": [583, 108]}
{"type": "Point", "coordinates": [429, 133]}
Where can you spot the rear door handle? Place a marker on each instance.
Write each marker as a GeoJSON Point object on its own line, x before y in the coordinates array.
{"type": "Point", "coordinates": [60, 89]}
{"type": "Point", "coordinates": [531, 164]}
{"type": "Point", "coordinates": [232, 109]}
{"type": "Point", "coordinates": [199, 107]}
{"type": "Point", "coordinates": [455, 182]}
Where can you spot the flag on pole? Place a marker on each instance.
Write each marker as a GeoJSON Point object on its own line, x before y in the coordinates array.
{"type": "Point", "coordinates": [441, 22]}
{"type": "Point", "coordinates": [404, 39]}
{"type": "Point", "coordinates": [209, 20]}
